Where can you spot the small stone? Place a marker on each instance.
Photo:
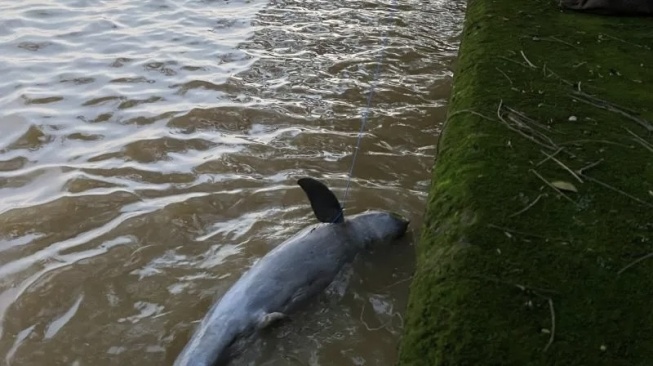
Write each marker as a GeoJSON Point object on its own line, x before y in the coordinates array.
{"type": "Point", "coordinates": [603, 348]}
{"type": "Point", "coordinates": [573, 119]}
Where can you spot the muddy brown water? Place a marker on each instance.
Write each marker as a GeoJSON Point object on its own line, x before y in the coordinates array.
{"type": "Point", "coordinates": [149, 152]}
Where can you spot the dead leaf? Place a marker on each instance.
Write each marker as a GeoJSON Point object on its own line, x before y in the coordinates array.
{"type": "Point", "coordinates": [564, 186]}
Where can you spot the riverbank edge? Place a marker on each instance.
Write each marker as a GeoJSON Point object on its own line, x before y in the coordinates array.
{"type": "Point", "coordinates": [539, 222]}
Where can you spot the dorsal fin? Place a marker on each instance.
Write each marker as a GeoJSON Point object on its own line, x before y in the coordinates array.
{"type": "Point", "coordinates": [324, 203]}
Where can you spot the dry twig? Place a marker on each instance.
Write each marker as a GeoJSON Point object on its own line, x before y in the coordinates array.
{"type": "Point", "coordinates": [641, 141]}
{"type": "Point", "coordinates": [552, 186]}
{"type": "Point", "coordinates": [649, 255]}
{"type": "Point", "coordinates": [553, 324]}
{"type": "Point", "coordinates": [527, 60]}
{"type": "Point", "coordinates": [549, 157]}
{"type": "Point", "coordinates": [611, 107]}
{"type": "Point", "coordinates": [617, 190]}
{"type": "Point", "coordinates": [504, 74]}
{"type": "Point", "coordinates": [589, 166]}
{"type": "Point", "coordinates": [470, 112]}
{"type": "Point", "coordinates": [521, 126]}
{"type": "Point", "coordinates": [527, 207]}
{"type": "Point", "coordinates": [563, 166]}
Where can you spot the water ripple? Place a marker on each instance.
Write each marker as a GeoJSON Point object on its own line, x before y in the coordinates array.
{"type": "Point", "coordinates": [149, 152]}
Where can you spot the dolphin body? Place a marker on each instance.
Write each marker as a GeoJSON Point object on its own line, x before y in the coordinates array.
{"type": "Point", "coordinates": [289, 275]}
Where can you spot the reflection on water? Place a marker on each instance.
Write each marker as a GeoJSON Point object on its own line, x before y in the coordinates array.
{"type": "Point", "coordinates": [149, 152]}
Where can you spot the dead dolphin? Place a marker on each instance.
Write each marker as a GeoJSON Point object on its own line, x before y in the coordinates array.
{"type": "Point", "coordinates": [293, 272]}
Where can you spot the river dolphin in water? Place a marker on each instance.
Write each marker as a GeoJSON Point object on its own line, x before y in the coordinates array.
{"type": "Point", "coordinates": [293, 272]}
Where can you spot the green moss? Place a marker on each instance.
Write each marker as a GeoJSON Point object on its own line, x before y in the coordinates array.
{"type": "Point", "coordinates": [488, 279]}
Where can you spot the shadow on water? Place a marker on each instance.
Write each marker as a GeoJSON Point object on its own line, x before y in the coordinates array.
{"type": "Point", "coordinates": [149, 153]}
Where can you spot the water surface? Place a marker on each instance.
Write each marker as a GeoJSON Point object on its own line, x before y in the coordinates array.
{"type": "Point", "coordinates": [149, 152]}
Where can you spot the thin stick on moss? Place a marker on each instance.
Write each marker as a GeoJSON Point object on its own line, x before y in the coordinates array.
{"type": "Point", "coordinates": [516, 62]}
{"type": "Point", "coordinates": [549, 157]}
{"type": "Point", "coordinates": [552, 145]}
{"type": "Point", "coordinates": [527, 60]}
{"type": "Point", "coordinates": [641, 141]}
{"type": "Point", "coordinates": [589, 166]}
{"type": "Point", "coordinates": [525, 118]}
{"type": "Point", "coordinates": [553, 325]}
{"type": "Point", "coordinates": [524, 288]}
{"type": "Point", "coordinates": [512, 231]}
{"type": "Point", "coordinates": [527, 207]}
{"type": "Point", "coordinates": [606, 102]}
{"type": "Point", "coordinates": [611, 107]}
{"type": "Point", "coordinates": [617, 190]}
{"type": "Point", "coordinates": [640, 259]}
{"type": "Point", "coordinates": [552, 186]}
{"type": "Point", "coordinates": [556, 39]}
{"type": "Point", "coordinates": [470, 112]}
{"type": "Point", "coordinates": [552, 73]}
{"type": "Point", "coordinates": [504, 74]}
{"type": "Point", "coordinates": [624, 41]}
{"type": "Point", "coordinates": [607, 142]}
{"type": "Point", "coordinates": [563, 166]}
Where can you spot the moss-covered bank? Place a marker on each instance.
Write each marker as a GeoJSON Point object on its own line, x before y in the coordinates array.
{"type": "Point", "coordinates": [539, 224]}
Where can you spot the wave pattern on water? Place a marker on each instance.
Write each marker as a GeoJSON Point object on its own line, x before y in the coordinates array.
{"type": "Point", "coordinates": [149, 152]}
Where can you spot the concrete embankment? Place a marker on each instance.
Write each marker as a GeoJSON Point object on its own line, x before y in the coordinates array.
{"type": "Point", "coordinates": [537, 247]}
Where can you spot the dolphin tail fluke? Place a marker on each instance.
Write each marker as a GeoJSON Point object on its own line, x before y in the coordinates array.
{"type": "Point", "coordinates": [324, 203]}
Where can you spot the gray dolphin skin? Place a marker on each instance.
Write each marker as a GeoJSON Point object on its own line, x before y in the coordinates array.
{"type": "Point", "coordinates": [289, 275]}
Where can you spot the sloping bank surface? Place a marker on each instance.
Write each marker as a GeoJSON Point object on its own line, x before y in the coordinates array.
{"type": "Point", "coordinates": [537, 244]}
